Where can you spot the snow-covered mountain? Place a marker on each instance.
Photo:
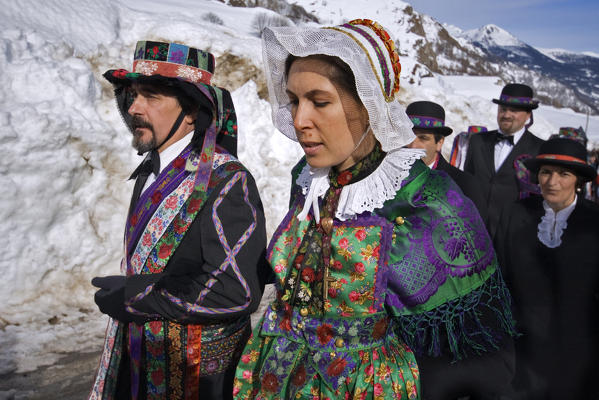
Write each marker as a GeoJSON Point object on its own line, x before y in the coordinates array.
{"type": "Point", "coordinates": [578, 72]}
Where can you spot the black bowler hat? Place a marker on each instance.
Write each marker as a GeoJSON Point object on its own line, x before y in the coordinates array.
{"type": "Point", "coordinates": [428, 115]}
{"type": "Point", "coordinates": [518, 96]}
{"type": "Point", "coordinates": [563, 152]}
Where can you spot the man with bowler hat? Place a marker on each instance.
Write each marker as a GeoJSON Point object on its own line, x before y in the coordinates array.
{"type": "Point", "coordinates": [495, 157]}
{"type": "Point", "coordinates": [430, 130]}
{"type": "Point", "coordinates": [194, 237]}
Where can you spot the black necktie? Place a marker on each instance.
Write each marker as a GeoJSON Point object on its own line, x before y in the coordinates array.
{"type": "Point", "coordinates": [501, 137]}
{"type": "Point", "coordinates": [150, 164]}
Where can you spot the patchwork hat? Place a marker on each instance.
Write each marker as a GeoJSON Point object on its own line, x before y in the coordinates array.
{"type": "Point", "coordinates": [367, 48]}
{"type": "Point", "coordinates": [572, 133]}
{"type": "Point", "coordinates": [156, 60]}
{"type": "Point", "coordinates": [429, 116]}
{"type": "Point", "coordinates": [476, 129]}
{"type": "Point", "coordinates": [563, 152]}
{"type": "Point", "coordinates": [518, 96]}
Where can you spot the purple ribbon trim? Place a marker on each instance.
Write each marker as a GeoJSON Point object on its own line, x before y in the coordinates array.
{"type": "Point", "coordinates": [516, 100]}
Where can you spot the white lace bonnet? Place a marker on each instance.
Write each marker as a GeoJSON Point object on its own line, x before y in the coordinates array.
{"type": "Point", "coordinates": [365, 46]}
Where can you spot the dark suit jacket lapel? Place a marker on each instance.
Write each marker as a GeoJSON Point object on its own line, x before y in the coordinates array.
{"type": "Point", "coordinates": [489, 151]}
{"type": "Point", "coordinates": [523, 146]}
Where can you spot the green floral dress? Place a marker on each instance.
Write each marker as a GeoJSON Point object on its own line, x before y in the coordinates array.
{"type": "Point", "coordinates": [350, 302]}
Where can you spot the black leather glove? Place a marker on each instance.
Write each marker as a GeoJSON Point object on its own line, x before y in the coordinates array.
{"type": "Point", "coordinates": [111, 298]}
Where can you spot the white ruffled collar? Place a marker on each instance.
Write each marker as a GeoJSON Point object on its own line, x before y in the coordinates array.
{"type": "Point", "coordinates": [367, 194]}
{"type": "Point", "coordinates": [553, 224]}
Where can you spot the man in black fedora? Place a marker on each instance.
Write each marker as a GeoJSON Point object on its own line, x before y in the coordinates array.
{"type": "Point", "coordinates": [430, 130]}
{"type": "Point", "coordinates": [495, 157]}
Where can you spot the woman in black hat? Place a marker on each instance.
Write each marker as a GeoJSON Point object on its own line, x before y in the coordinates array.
{"type": "Point", "coordinates": [547, 247]}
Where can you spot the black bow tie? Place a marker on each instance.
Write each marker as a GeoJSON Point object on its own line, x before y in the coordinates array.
{"type": "Point", "coordinates": [501, 137]}
{"type": "Point", "coordinates": [150, 164]}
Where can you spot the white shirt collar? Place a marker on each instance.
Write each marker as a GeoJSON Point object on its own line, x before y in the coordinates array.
{"type": "Point", "coordinates": [553, 224]}
{"type": "Point", "coordinates": [171, 152]}
{"type": "Point", "coordinates": [516, 135]}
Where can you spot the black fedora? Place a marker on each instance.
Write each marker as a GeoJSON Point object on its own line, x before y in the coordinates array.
{"type": "Point", "coordinates": [563, 152]}
{"type": "Point", "coordinates": [429, 116]}
{"type": "Point", "coordinates": [518, 96]}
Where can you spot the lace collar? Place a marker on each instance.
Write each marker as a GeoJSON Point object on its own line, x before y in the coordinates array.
{"type": "Point", "coordinates": [367, 194]}
{"type": "Point", "coordinates": [553, 224]}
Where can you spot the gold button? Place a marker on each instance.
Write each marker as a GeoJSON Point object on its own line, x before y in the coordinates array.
{"type": "Point", "coordinates": [332, 354]}
{"type": "Point", "coordinates": [300, 326]}
{"type": "Point", "coordinates": [298, 395]}
{"type": "Point", "coordinates": [393, 236]}
{"type": "Point", "coordinates": [304, 312]}
{"type": "Point", "coordinates": [399, 221]}
{"type": "Point", "coordinates": [339, 342]}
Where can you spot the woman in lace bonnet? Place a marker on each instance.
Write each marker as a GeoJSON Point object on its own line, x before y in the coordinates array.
{"type": "Point", "coordinates": [379, 259]}
{"type": "Point", "coordinates": [548, 249]}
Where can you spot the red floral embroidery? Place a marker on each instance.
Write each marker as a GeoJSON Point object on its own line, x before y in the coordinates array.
{"type": "Point", "coordinates": [120, 73]}
{"type": "Point", "coordinates": [336, 367]}
{"type": "Point", "coordinates": [343, 243]}
{"type": "Point", "coordinates": [194, 205]}
{"type": "Point", "coordinates": [354, 296]}
{"type": "Point", "coordinates": [180, 227]}
{"type": "Point", "coordinates": [165, 250]}
{"type": "Point", "coordinates": [245, 358]}
{"type": "Point", "coordinates": [324, 333]}
{"type": "Point", "coordinates": [178, 163]}
{"type": "Point", "coordinates": [308, 275]}
{"type": "Point", "coordinates": [359, 268]}
{"type": "Point", "coordinates": [332, 292]}
{"type": "Point", "coordinates": [375, 252]}
{"type": "Point", "coordinates": [171, 202]}
{"type": "Point", "coordinates": [270, 383]}
{"type": "Point", "coordinates": [299, 378]}
{"type": "Point", "coordinates": [361, 235]}
{"type": "Point", "coordinates": [337, 265]}
{"type": "Point", "coordinates": [156, 197]}
{"type": "Point", "coordinates": [157, 377]}
{"type": "Point", "coordinates": [298, 261]}
{"type": "Point", "coordinates": [285, 324]}
{"type": "Point", "coordinates": [155, 327]}
{"type": "Point", "coordinates": [344, 178]}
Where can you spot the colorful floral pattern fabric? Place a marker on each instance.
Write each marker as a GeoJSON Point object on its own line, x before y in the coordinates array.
{"type": "Point", "coordinates": [399, 276]}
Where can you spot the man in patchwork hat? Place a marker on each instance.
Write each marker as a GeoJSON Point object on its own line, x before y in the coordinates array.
{"type": "Point", "coordinates": [495, 158]}
{"type": "Point", "coordinates": [194, 237]}
{"type": "Point", "coordinates": [430, 130]}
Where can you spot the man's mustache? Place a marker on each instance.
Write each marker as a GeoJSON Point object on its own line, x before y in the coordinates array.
{"type": "Point", "coordinates": [137, 122]}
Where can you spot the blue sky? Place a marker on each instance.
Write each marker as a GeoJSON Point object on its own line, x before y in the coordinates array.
{"type": "Point", "coordinates": [567, 24]}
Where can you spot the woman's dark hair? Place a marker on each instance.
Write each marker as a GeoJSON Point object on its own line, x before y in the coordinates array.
{"type": "Point", "coordinates": [339, 72]}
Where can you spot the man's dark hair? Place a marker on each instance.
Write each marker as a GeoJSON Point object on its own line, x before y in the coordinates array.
{"type": "Point", "coordinates": [188, 104]}
{"type": "Point", "coordinates": [438, 137]}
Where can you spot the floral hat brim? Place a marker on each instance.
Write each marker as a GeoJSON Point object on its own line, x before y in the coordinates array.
{"type": "Point", "coordinates": [159, 60]}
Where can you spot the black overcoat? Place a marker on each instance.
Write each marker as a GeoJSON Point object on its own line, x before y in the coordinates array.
{"type": "Point", "coordinates": [556, 300]}
{"type": "Point", "coordinates": [501, 187]}
{"type": "Point", "coordinates": [467, 183]}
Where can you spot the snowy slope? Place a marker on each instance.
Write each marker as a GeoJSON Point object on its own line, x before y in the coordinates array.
{"type": "Point", "coordinates": [66, 153]}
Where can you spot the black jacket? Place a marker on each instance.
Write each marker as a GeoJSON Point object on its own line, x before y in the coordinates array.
{"type": "Point", "coordinates": [556, 300]}
{"type": "Point", "coordinates": [467, 183]}
{"type": "Point", "coordinates": [501, 187]}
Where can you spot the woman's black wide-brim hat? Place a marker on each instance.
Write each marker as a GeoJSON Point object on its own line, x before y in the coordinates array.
{"type": "Point", "coordinates": [518, 96]}
{"type": "Point", "coordinates": [429, 116]}
{"type": "Point", "coordinates": [563, 152]}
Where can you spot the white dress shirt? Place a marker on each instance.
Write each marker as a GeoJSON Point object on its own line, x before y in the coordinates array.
{"type": "Point", "coordinates": [503, 148]}
{"type": "Point", "coordinates": [168, 155]}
